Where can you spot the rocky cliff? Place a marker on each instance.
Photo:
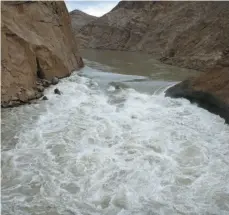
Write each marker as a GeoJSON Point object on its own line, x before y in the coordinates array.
{"type": "Point", "coordinates": [187, 34]}
{"type": "Point", "coordinates": [210, 90]}
{"type": "Point", "coordinates": [78, 20]}
{"type": "Point", "coordinates": [37, 43]}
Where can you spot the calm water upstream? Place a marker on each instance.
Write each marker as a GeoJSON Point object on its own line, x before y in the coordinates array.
{"type": "Point", "coordinates": [113, 144]}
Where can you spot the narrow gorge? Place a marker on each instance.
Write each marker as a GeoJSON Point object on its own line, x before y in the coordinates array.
{"type": "Point", "coordinates": [193, 35]}
{"type": "Point", "coordinates": [122, 114]}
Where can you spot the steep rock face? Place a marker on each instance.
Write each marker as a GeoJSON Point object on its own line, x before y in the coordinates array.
{"type": "Point", "coordinates": [187, 34]}
{"type": "Point", "coordinates": [78, 20]}
{"type": "Point", "coordinates": [210, 90]}
{"type": "Point", "coordinates": [37, 42]}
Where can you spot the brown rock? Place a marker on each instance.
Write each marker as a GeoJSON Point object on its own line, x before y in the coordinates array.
{"type": "Point", "coordinates": [78, 20]}
{"type": "Point", "coordinates": [80, 62]}
{"type": "Point", "coordinates": [187, 34]}
{"type": "Point", "coordinates": [37, 42]}
{"type": "Point", "coordinates": [210, 90]}
{"type": "Point", "coordinates": [31, 94]}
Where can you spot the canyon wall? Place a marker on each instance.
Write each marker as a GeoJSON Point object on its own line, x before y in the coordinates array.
{"type": "Point", "coordinates": [37, 43]}
{"type": "Point", "coordinates": [187, 34]}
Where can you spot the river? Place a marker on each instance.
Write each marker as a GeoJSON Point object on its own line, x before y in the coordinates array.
{"type": "Point", "coordinates": [113, 144]}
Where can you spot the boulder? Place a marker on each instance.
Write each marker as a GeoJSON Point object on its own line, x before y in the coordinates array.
{"type": "Point", "coordinates": [40, 88]}
{"type": "Point", "coordinates": [57, 91]}
{"type": "Point", "coordinates": [45, 83]}
{"type": "Point", "coordinates": [44, 98]}
{"type": "Point", "coordinates": [55, 80]}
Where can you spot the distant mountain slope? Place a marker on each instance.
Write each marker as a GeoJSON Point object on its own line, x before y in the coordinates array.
{"type": "Point", "coordinates": [79, 19]}
{"type": "Point", "coordinates": [187, 34]}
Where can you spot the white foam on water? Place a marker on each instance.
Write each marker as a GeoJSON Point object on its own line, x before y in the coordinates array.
{"type": "Point", "coordinates": [122, 153]}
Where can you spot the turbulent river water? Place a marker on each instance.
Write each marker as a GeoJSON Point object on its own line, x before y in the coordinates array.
{"type": "Point", "coordinates": [113, 144]}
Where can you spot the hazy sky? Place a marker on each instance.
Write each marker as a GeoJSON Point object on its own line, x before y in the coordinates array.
{"type": "Point", "coordinates": [95, 8]}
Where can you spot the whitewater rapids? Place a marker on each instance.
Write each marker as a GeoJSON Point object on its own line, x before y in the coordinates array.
{"type": "Point", "coordinates": [101, 150]}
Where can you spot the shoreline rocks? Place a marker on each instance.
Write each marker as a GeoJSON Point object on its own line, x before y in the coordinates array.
{"type": "Point", "coordinates": [54, 81]}
{"type": "Point", "coordinates": [203, 98]}
{"type": "Point", "coordinates": [44, 98]}
{"type": "Point", "coordinates": [57, 91]}
{"type": "Point", "coordinates": [40, 88]}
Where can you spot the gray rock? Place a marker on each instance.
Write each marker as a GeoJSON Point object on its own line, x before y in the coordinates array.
{"type": "Point", "coordinates": [205, 99]}
{"type": "Point", "coordinates": [57, 91]}
{"type": "Point", "coordinates": [39, 95]}
{"type": "Point", "coordinates": [118, 85]}
{"type": "Point", "coordinates": [44, 98]}
{"type": "Point", "coordinates": [55, 80]}
{"type": "Point", "coordinates": [46, 83]}
{"type": "Point", "coordinates": [40, 88]}
{"type": "Point", "coordinates": [3, 105]}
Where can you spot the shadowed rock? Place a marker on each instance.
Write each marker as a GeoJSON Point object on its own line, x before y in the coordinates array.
{"type": "Point", "coordinates": [40, 88]}
{"type": "Point", "coordinates": [210, 90]}
{"type": "Point", "coordinates": [44, 98]}
{"type": "Point", "coordinates": [45, 83]}
{"type": "Point", "coordinates": [57, 91]}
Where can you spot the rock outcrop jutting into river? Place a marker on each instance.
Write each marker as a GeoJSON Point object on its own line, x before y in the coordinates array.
{"type": "Point", "coordinates": [210, 90]}
{"type": "Point", "coordinates": [37, 43]}
{"type": "Point", "coordinates": [186, 34]}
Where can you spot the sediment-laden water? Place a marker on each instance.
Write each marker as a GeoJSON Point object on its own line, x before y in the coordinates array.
{"type": "Point", "coordinates": [113, 144]}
